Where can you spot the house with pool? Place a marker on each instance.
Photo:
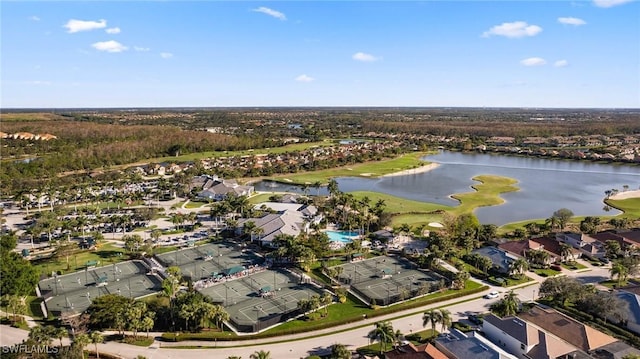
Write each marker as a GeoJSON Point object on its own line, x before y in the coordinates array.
{"type": "Point", "coordinates": [288, 218]}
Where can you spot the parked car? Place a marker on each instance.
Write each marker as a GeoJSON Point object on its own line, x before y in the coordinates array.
{"type": "Point", "coordinates": [475, 319]}
{"type": "Point", "coordinates": [492, 295]}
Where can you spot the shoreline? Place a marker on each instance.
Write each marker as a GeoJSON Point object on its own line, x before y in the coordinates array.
{"type": "Point", "coordinates": [625, 195]}
{"type": "Point", "coordinates": [412, 171]}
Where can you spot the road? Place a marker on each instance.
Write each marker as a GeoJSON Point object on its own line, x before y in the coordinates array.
{"type": "Point", "coordinates": [300, 348]}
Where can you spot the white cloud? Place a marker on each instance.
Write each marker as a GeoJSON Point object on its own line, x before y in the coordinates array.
{"type": "Point", "coordinates": [561, 63]}
{"type": "Point", "coordinates": [571, 21]}
{"type": "Point", "coordinates": [533, 61]}
{"type": "Point", "coordinates": [113, 30]}
{"type": "Point", "coordinates": [609, 3]}
{"type": "Point", "coordinates": [513, 30]}
{"type": "Point", "coordinates": [304, 78]}
{"type": "Point", "coordinates": [361, 56]}
{"type": "Point", "coordinates": [34, 18]}
{"type": "Point", "coordinates": [166, 55]}
{"type": "Point", "coordinates": [38, 83]}
{"type": "Point", "coordinates": [81, 25]}
{"type": "Point", "coordinates": [109, 46]}
{"type": "Point", "coordinates": [142, 49]}
{"type": "Point", "coordinates": [271, 12]}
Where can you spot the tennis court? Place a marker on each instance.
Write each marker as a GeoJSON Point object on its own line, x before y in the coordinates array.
{"type": "Point", "coordinates": [208, 260]}
{"type": "Point", "coordinates": [386, 280]}
{"type": "Point", "coordinates": [74, 292]}
{"type": "Point", "coordinates": [262, 299]}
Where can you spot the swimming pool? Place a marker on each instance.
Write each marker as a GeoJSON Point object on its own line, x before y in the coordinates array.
{"type": "Point", "coordinates": [341, 236]}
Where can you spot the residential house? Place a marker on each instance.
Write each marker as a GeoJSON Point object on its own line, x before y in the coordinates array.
{"type": "Point", "coordinates": [566, 328]}
{"type": "Point", "coordinates": [410, 351]}
{"type": "Point", "coordinates": [458, 345]}
{"type": "Point", "coordinates": [501, 259]}
{"type": "Point", "coordinates": [628, 240]}
{"type": "Point", "coordinates": [546, 244]}
{"type": "Point", "coordinates": [584, 243]}
{"type": "Point", "coordinates": [524, 339]}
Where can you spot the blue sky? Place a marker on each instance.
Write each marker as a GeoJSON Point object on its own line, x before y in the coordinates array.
{"type": "Point", "coordinates": [320, 53]}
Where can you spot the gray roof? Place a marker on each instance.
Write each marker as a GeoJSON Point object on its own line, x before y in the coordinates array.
{"type": "Point", "coordinates": [514, 326]}
{"type": "Point", "coordinates": [497, 256]}
{"type": "Point", "coordinates": [466, 347]}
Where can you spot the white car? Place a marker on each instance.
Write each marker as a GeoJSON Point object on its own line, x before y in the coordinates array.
{"type": "Point", "coordinates": [492, 295]}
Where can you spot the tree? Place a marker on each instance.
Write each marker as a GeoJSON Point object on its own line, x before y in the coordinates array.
{"type": "Point", "coordinates": [132, 242]}
{"type": "Point", "coordinates": [340, 351]}
{"type": "Point", "coordinates": [384, 333]}
{"type": "Point", "coordinates": [566, 252]}
{"type": "Point", "coordinates": [96, 338]}
{"type": "Point", "coordinates": [509, 305]}
{"type": "Point", "coordinates": [81, 340]}
{"type": "Point", "coordinates": [445, 319]}
{"type": "Point", "coordinates": [619, 270]}
{"type": "Point", "coordinates": [562, 289]}
{"type": "Point", "coordinates": [563, 215]}
{"type": "Point", "coordinates": [18, 276]}
{"type": "Point", "coordinates": [15, 304]}
{"type": "Point", "coordinates": [518, 267]}
{"type": "Point", "coordinates": [42, 335]}
{"type": "Point", "coordinates": [108, 311]}
{"type": "Point", "coordinates": [432, 317]}
{"type": "Point", "coordinates": [612, 249]}
{"type": "Point", "coordinates": [460, 279]}
{"type": "Point", "coordinates": [147, 323]}
{"type": "Point", "coordinates": [59, 333]}
{"type": "Point", "coordinates": [261, 355]}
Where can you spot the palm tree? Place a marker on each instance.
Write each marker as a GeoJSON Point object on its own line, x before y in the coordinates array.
{"type": "Point", "coordinates": [42, 335]}
{"type": "Point", "coordinates": [96, 338]}
{"type": "Point", "coordinates": [518, 267]}
{"type": "Point", "coordinates": [460, 279]}
{"type": "Point", "coordinates": [221, 315]}
{"type": "Point", "coordinates": [383, 333]}
{"type": "Point", "coordinates": [618, 269]}
{"type": "Point", "coordinates": [80, 341]}
{"type": "Point", "coordinates": [445, 319]}
{"type": "Point", "coordinates": [511, 303]}
{"type": "Point", "coordinates": [60, 333]}
{"type": "Point", "coordinates": [261, 355]}
{"type": "Point", "coordinates": [565, 252]}
{"type": "Point", "coordinates": [340, 351]}
{"type": "Point", "coordinates": [147, 322]}
{"type": "Point", "coordinates": [432, 317]}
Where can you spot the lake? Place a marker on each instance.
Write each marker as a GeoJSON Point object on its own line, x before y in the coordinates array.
{"type": "Point", "coordinates": [546, 185]}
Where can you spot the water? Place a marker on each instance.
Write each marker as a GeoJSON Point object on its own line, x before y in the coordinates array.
{"type": "Point", "coordinates": [545, 185]}
{"type": "Point", "coordinates": [341, 236]}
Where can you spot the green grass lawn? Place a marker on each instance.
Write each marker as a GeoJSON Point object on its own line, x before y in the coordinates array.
{"type": "Point", "coordinates": [196, 204]}
{"type": "Point", "coordinates": [547, 272]}
{"type": "Point", "coordinates": [573, 266]}
{"type": "Point", "coordinates": [397, 205]}
{"type": "Point", "coordinates": [106, 254]}
{"type": "Point", "coordinates": [487, 193]}
{"type": "Point", "coordinates": [259, 198]}
{"type": "Point", "coordinates": [368, 169]}
{"type": "Point", "coordinates": [630, 206]}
